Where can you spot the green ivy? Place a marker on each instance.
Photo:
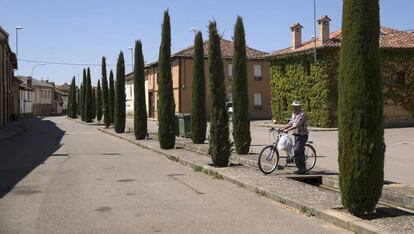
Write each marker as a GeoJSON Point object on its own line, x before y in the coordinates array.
{"type": "Point", "coordinates": [317, 88]}
{"type": "Point", "coordinates": [299, 78]}
{"type": "Point", "coordinates": [396, 93]}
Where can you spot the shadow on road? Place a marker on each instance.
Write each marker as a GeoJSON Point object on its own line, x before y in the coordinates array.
{"type": "Point", "coordinates": [23, 153]}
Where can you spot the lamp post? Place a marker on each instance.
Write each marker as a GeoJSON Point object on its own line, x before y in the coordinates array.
{"type": "Point", "coordinates": [17, 41]}
{"type": "Point", "coordinates": [40, 64]}
{"type": "Point", "coordinates": [132, 57]}
{"type": "Point", "coordinates": [314, 30]}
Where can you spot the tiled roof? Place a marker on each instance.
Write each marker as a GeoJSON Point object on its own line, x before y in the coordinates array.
{"type": "Point", "coordinates": [35, 82]}
{"type": "Point", "coordinates": [226, 51]}
{"type": "Point", "coordinates": [389, 38]}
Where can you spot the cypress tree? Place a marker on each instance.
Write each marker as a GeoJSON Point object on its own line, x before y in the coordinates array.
{"type": "Point", "coordinates": [166, 107]}
{"type": "Point", "coordinates": [140, 111]}
{"type": "Point", "coordinates": [68, 109]}
{"type": "Point", "coordinates": [198, 108]}
{"type": "Point", "coordinates": [99, 102]}
{"type": "Point", "coordinates": [219, 126]}
{"type": "Point", "coordinates": [93, 103]}
{"type": "Point", "coordinates": [241, 119]}
{"type": "Point", "coordinates": [360, 104]}
{"type": "Point", "coordinates": [105, 94]}
{"type": "Point", "coordinates": [111, 96]}
{"type": "Point", "coordinates": [72, 95]}
{"type": "Point", "coordinates": [119, 109]}
{"type": "Point", "coordinates": [83, 95]}
{"type": "Point", "coordinates": [88, 98]}
{"type": "Point", "coordinates": [80, 102]}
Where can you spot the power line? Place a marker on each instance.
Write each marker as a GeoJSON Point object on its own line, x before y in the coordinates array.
{"type": "Point", "coordinates": [67, 64]}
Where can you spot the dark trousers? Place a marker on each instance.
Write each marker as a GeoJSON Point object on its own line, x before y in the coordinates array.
{"type": "Point", "coordinates": [299, 151]}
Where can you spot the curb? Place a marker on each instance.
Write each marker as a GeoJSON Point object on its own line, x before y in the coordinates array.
{"type": "Point", "coordinates": [332, 216]}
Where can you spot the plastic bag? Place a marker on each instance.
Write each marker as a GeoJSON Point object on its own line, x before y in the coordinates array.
{"type": "Point", "coordinates": [285, 143]}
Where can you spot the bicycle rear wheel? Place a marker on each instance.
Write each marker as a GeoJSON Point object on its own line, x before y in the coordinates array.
{"type": "Point", "coordinates": [310, 157]}
{"type": "Point", "coordinates": [268, 159]}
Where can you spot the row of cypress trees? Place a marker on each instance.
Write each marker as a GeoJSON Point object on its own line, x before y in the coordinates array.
{"type": "Point", "coordinates": [219, 130]}
{"type": "Point", "coordinates": [87, 102]}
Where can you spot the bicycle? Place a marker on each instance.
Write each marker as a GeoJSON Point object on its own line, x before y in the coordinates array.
{"type": "Point", "coordinates": [269, 158]}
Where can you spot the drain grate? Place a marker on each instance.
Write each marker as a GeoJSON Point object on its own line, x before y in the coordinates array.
{"type": "Point", "coordinates": [308, 179]}
{"type": "Point", "coordinates": [60, 154]}
{"type": "Point", "coordinates": [110, 154]}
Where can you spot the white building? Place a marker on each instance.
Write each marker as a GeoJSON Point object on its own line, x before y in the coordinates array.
{"type": "Point", "coordinates": [61, 102]}
{"type": "Point", "coordinates": [26, 98]}
{"type": "Point", "coordinates": [129, 93]}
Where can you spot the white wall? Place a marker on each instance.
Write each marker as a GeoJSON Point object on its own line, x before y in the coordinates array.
{"type": "Point", "coordinates": [43, 96]}
{"type": "Point", "coordinates": [26, 98]}
{"type": "Point", "coordinates": [129, 91]}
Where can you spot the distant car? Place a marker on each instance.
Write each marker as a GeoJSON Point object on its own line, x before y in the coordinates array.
{"type": "Point", "coordinates": [229, 107]}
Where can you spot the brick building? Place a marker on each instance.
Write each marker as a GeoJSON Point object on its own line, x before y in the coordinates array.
{"type": "Point", "coordinates": [296, 75]}
{"type": "Point", "coordinates": [182, 73]}
{"type": "Point", "coordinates": [8, 63]}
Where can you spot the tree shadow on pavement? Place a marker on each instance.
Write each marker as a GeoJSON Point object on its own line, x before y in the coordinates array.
{"type": "Point", "coordinates": [21, 154]}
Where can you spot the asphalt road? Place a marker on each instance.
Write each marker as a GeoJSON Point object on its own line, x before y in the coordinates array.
{"type": "Point", "coordinates": [63, 177]}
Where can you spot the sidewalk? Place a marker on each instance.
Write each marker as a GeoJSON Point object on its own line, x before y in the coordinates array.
{"type": "Point", "coordinates": [282, 186]}
{"type": "Point", "coordinates": [13, 129]}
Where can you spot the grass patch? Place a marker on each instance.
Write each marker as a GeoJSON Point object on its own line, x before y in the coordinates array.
{"type": "Point", "coordinates": [260, 192]}
{"type": "Point", "coordinates": [173, 158]}
{"type": "Point", "coordinates": [306, 211]}
{"type": "Point", "coordinates": [197, 168]}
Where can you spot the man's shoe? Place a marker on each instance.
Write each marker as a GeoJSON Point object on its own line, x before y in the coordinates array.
{"type": "Point", "coordinates": [300, 172]}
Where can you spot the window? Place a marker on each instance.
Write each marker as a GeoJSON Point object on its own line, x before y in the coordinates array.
{"type": "Point", "coordinates": [258, 101]}
{"type": "Point", "coordinates": [257, 72]}
{"type": "Point", "coordinates": [230, 71]}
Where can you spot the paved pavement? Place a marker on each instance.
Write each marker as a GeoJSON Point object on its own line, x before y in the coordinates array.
{"type": "Point", "coordinates": [399, 158]}
{"type": "Point", "coordinates": [63, 177]}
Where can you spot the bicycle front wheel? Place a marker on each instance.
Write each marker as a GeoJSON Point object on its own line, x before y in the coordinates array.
{"type": "Point", "coordinates": [268, 159]}
{"type": "Point", "coordinates": [310, 157]}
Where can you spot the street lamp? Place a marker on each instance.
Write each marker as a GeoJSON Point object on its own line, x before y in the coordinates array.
{"type": "Point", "coordinates": [17, 41]}
{"type": "Point", "coordinates": [40, 64]}
{"type": "Point", "coordinates": [132, 57]}
{"type": "Point", "coordinates": [314, 30]}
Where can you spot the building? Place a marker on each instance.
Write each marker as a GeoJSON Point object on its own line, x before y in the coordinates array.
{"type": "Point", "coordinates": [61, 98]}
{"type": "Point", "coordinates": [129, 93]}
{"type": "Point", "coordinates": [61, 102]}
{"type": "Point", "coordinates": [8, 63]}
{"type": "Point", "coordinates": [308, 71]}
{"type": "Point", "coordinates": [43, 103]}
{"type": "Point", "coordinates": [16, 98]}
{"type": "Point", "coordinates": [26, 98]}
{"type": "Point", "coordinates": [182, 72]}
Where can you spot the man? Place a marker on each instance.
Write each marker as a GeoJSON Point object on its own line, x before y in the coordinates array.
{"type": "Point", "coordinates": [299, 125]}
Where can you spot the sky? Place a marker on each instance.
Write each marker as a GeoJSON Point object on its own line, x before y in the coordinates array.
{"type": "Point", "coordinates": [82, 31]}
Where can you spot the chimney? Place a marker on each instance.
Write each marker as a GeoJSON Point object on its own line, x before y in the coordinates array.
{"type": "Point", "coordinates": [296, 35]}
{"type": "Point", "coordinates": [323, 25]}
{"type": "Point", "coordinates": [29, 82]}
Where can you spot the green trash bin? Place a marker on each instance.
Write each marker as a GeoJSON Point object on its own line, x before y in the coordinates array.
{"type": "Point", "coordinates": [177, 125]}
{"type": "Point", "coordinates": [184, 125]}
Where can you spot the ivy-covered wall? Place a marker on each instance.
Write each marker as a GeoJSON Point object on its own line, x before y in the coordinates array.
{"type": "Point", "coordinates": [315, 84]}
{"type": "Point", "coordinates": [298, 77]}
{"type": "Point", "coordinates": [397, 70]}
